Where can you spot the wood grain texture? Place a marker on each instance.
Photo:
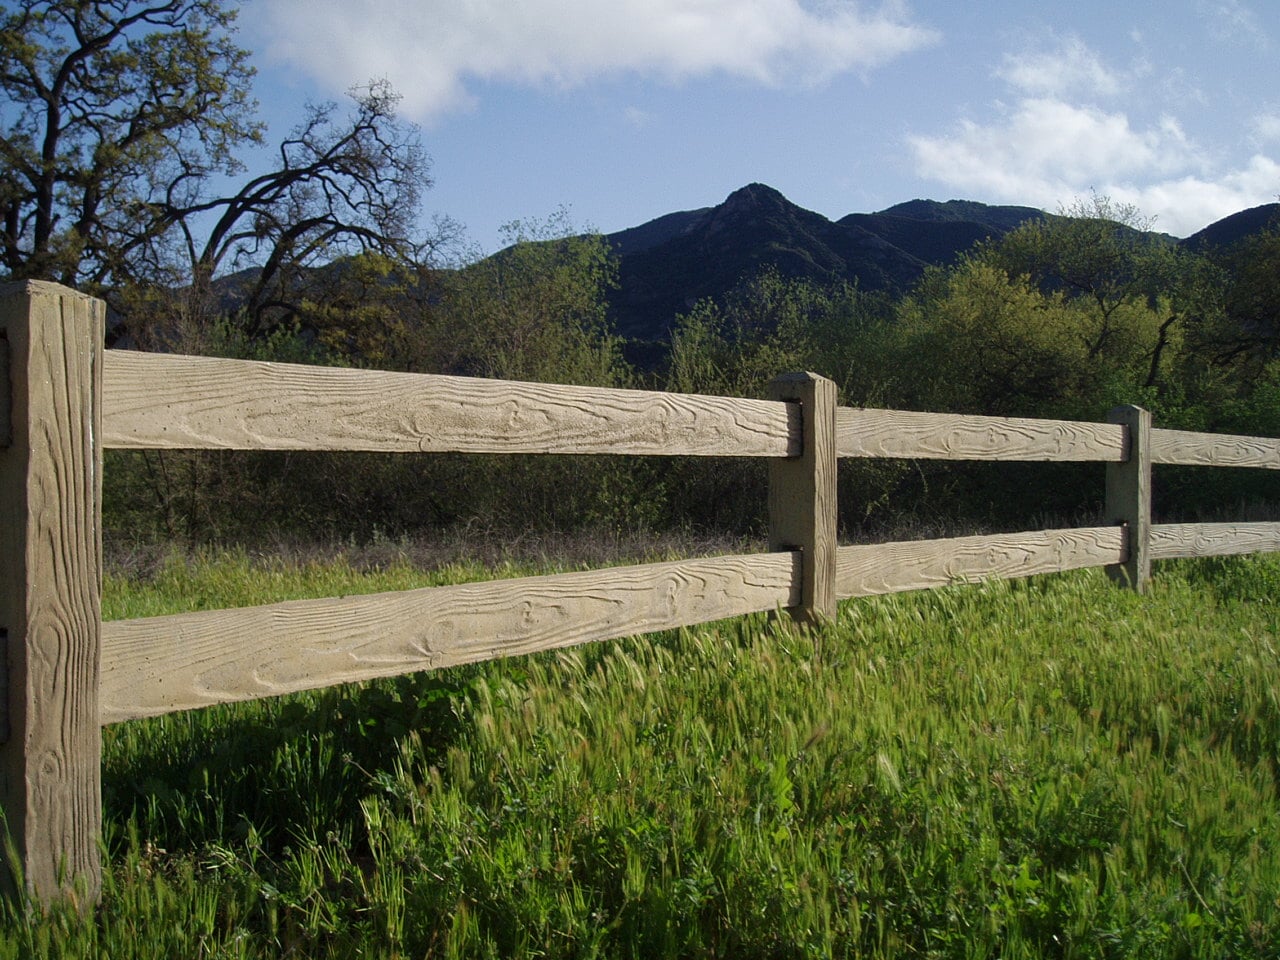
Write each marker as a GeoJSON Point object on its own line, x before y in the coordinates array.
{"type": "Point", "coordinates": [161, 401]}
{"type": "Point", "coordinates": [50, 586]}
{"type": "Point", "coordinates": [947, 436]}
{"type": "Point", "coordinates": [1128, 497]}
{"type": "Point", "coordinates": [869, 569]}
{"type": "Point", "coordinates": [802, 493]}
{"type": "Point", "coordinates": [1214, 449]}
{"type": "Point", "coordinates": [1170, 540]}
{"type": "Point", "coordinates": [161, 664]}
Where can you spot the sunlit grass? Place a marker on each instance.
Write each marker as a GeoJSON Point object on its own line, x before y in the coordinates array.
{"type": "Point", "coordinates": [1044, 768]}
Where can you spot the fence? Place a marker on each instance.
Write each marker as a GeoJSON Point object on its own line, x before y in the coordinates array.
{"type": "Point", "coordinates": [65, 673]}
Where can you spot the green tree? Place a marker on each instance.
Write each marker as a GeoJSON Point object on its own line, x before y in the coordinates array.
{"type": "Point", "coordinates": [973, 339]}
{"type": "Point", "coordinates": [771, 324]}
{"type": "Point", "coordinates": [536, 310]}
{"type": "Point", "coordinates": [1141, 292]}
{"type": "Point", "coordinates": [116, 112]}
{"type": "Point", "coordinates": [120, 115]}
{"type": "Point", "coordinates": [766, 326]}
{"type": "Point", "coordinates": [1064, 316]}
{"type": "Point", "coordinates": [1247, 335]}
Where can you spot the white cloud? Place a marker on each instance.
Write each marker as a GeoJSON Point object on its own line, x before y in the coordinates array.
{"type": "Point", "coordinates": [1047, 152]}
{"type": "Point", "coordinates": [1054, 143]}
{"type": "Point", "coordinates": [637, 118]}
{"type": "Point", "coordinates": [1186, 204]}
{"type": "Point", "coordinates": [1069, 68]}
{"type": "Point", "coordinates": [1266, 127]}
{"type": "Point", "coordinates": [1233, 21]}
{"type": "Point", "coordinates": [431, 49]}
{"type": "Point", "coordinates": [1043, 144]}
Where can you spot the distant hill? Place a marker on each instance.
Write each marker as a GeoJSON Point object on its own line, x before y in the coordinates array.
{"type": "Point", "coordinates": [1236, 227]}
{"type": "Point", "coordinates": [1001, 219]}
{"type": "Point", "coordinates": [668, 264]}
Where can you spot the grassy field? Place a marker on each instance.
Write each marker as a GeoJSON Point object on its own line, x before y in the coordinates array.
{"type": "Point", "coordinates": [1044, 768]}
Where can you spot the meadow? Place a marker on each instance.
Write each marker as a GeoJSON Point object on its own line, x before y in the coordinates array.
{"type": "Point", "coordinates": [1041, 768]}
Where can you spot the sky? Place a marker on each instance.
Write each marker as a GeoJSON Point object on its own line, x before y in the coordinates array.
{"type": "Point", "coordinates": [619, 111]}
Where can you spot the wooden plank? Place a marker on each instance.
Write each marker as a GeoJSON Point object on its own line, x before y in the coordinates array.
{"type": "Point", "coordinates": [1128, 499]}
{"type": "Point", "coordinates": [802, 494]}
{"type": "Point", "coordinates": [161, 664]}
{"type": "Point", "coordinates": [163, 401]}
{"type": "Point", "coordinates": [50, 588]}
{"type": "Point", "coordinates": [1169, 540]}
{"type": "Point", "coordinates": [869, 569]}
{"type": "Point", "coordinates": [1214, 449]}
{"type": "Point", "coordinates": [948, 436]}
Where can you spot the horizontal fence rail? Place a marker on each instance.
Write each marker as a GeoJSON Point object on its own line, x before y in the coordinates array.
{"type": "Point", "coordinates": [1213, 450]}
{"type": "Point", "coordinates": [160, 664]}
{"type": "Point", "coordinates": [63, 399]}
{"type": "Point", "coordinates": [1170, 541]}
{"type": "Point", "coordinates": [948, 436]}
{"type": "Point", "coordinates": [877, 568]}
{"type": "Point", "coordinates": [172, 402]}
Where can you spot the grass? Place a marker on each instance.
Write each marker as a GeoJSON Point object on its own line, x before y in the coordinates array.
{"type": "Point", "coordinates": [1043, 768]}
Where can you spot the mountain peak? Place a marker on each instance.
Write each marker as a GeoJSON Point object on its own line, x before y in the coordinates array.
{"type": "Point", "coordinates": [755, 195]}
{"type": "Point", "coordinates": [757, 205]}
{"type": "Point", "coordinates": [1002, 218]}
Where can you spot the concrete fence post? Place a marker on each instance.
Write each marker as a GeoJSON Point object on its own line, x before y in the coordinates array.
{"type": "Point", "coordinates": [802, 493]}
{"type": "Point", "coordinates": [1129, 497]}
{"type": "Point", "coordinates": [50, 590]}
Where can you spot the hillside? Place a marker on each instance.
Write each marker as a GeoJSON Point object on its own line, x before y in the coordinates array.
{"type": "Point", "coordinates": [668, 264]}
{"type": "Point", "coordinates": [1236, 227]}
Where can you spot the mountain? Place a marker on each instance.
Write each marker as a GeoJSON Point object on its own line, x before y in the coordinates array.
{"type": "Point", "coordinates": [1001, 219]}
{"type": "Point", "coordinates": [669, 264]}
{"type": "Point", "coordinates": [1236, 227]}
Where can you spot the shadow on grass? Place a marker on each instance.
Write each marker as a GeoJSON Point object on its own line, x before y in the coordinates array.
{"type": "Point", "coordinates": [275, 771]}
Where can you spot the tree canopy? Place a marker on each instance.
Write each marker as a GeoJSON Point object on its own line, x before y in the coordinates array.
{"type": "Point", "coordinates": [124, 120]}
{"type": "Point", "coordinates": [118, 115]}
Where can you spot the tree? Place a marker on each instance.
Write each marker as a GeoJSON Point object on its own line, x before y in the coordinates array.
{"type": "Point", "coordinates": [1104, 256]}
{"type": "Point", "coordinates": [1248, 334]}
{"type": "Point", "coordinates": [973, 339]}
{"type": "Point", "coordinates": [536, 310]}
{"type": "Point", "coordinates": [117, 112]}
{"type": "Point", "coordinates": [122, 114]}
{"type": "Point", "coordinates": [770, 324]}
{"type": "Point", "coordinates": [340, 189]}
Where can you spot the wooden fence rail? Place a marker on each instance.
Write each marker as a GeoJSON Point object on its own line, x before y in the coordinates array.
{"type": "Point", "coordinates": [64, 673]}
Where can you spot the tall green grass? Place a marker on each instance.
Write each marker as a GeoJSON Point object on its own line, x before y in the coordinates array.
{"type": "Point", "coordinates": [1043, 768]}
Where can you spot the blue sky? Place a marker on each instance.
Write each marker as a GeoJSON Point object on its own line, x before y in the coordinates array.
{"type": "Point", "coordinates": [623, 110]}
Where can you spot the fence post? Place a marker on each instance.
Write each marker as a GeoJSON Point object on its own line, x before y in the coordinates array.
{"type": "Point", "coordinates": [50, 591]}
{"type": "Point", "coordinates": [1129, 497]}
{"type": "Point", "coordinates": [802, 493]}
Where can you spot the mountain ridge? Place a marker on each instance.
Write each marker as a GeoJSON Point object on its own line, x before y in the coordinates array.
{"type": "Point", "coordinates": [670, 263]}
